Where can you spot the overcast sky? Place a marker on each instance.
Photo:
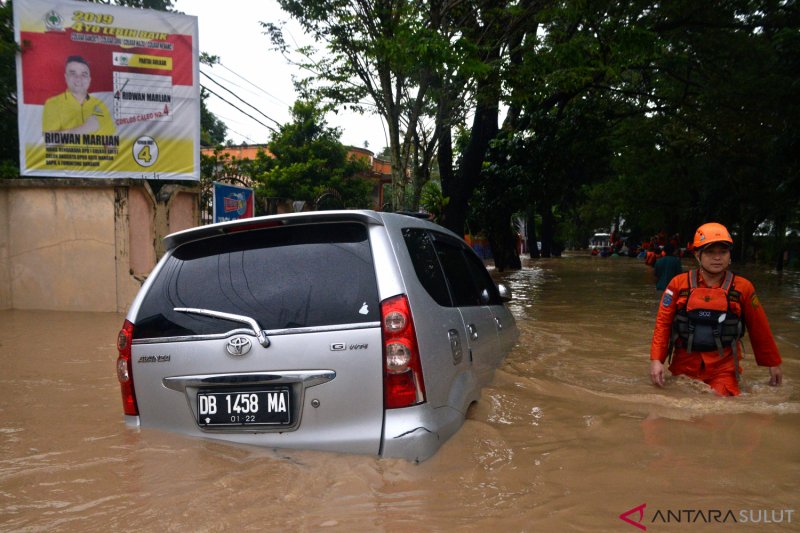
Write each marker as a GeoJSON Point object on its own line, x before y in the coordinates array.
{"type": "Point", "coordinates": [230, 29]}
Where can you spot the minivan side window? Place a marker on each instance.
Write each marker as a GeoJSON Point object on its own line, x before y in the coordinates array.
{"type": "Point", "coordinates": [487, 289]}
{"type": "Point", "coordinates": [426, 265]}
{"type": "Point", "coordinates": [470, 283]}
{"type": "Point", "coordinates": [282, 277]}
{"type": "Point", "coordinates": [449, 271]}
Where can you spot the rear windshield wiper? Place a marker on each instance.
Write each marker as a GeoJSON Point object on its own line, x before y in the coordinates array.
{"type": "Point", "coordinates": [259, 333]}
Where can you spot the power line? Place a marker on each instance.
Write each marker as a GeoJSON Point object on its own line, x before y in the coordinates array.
{"type": "Point", "coordinates": [241, 88]}
{"type": "Point", "coordinates": [240, 109]}
{"type": "Point", "coordinates": [242, 135]}
{"type": "Point", "coordinates": [254, 85]}
{"type": "Point", "coordinates": [241, 99]}
{"type": "Point", "coordinates": [231, 123]}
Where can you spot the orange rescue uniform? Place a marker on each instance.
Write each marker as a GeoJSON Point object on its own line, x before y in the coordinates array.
{"type": "Point", "coordinates": [718, 372]}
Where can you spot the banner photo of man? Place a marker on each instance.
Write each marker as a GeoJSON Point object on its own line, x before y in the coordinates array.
{"type": "Point", "coordinates": [107, 91]}
{"type": "Point", "coordinates": [232, 202]}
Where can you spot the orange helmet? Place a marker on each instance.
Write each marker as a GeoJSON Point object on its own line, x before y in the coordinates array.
{"type": "Point", "coordinates": [711, 232]}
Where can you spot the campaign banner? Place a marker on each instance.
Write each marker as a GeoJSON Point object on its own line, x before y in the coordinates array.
{"type": "Point", "coordinates": [232, 202]}
{"type": "Point", "coordinates": [106, 91]}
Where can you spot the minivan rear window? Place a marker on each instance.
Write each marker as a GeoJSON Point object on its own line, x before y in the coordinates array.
{"type": "Point", "coordinates": [287, 277]}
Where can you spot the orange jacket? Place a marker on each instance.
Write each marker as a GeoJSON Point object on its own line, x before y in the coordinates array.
{"type": "Point", "coordinates": [748, 308]}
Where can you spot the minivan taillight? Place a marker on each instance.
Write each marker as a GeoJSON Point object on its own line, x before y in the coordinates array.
{"type": "Point", "coordinates": [124, 373]}
{"type": "Point", "coordinates": [402, 371]}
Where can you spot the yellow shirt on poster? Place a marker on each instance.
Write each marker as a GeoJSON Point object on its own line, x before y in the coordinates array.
{"type": "Point", "coordinates": [64, 112]}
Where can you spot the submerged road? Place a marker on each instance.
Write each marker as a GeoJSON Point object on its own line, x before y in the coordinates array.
{"type": "Point", "coordinates": [570, 436]}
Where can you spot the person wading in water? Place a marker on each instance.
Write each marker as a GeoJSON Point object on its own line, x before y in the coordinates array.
{"type": "Point", "coordinates": [702, 318]}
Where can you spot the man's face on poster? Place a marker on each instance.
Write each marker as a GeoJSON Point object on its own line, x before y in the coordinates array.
{"type": "Point", "coordinates": [78, 78]}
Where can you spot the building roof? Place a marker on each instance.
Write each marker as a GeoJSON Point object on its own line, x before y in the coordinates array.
{"type": "Point", "coordinates": [380, 168]}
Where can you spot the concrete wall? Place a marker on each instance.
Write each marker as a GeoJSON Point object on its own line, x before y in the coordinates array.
{"type": "Point", "coordinates": [84, 245]}
{"type": "Point", "coordinates": [5, 263]}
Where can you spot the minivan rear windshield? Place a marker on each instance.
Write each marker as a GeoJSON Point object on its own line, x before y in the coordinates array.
{"type": "Point", "coordinates": [285, 277]}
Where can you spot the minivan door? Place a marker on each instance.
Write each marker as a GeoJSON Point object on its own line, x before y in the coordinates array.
{"type": "Point", "coordinates": [472, 290]}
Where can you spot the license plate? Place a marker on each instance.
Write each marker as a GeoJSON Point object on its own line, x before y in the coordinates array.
{"type": "Point", "coordinates": [244, 408]}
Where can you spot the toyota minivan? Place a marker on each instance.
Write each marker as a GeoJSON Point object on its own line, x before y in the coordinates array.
{"type": "Point", "coordinates": [346, 331]}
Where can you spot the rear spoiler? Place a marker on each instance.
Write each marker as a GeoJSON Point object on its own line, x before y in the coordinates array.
{"type": "Point", "coordinates": [174, 240]}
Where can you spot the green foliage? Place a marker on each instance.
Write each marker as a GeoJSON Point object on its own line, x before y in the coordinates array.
{"type": "Point", "coordinates": [374, 57]}
{"type": "Point", "coordinates": [9, 148]}
{"type": "Point", "coordinates": [663, 115]}
{"type": "Point", "coordinates": [432, 200]}
{"type": "Point", "coordinates": [310, 164]}
{"type": "Point", "coordinates": [212, 130]}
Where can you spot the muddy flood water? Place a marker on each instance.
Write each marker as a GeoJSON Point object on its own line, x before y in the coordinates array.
{"type": "Point", "coordinates": [569, 436]}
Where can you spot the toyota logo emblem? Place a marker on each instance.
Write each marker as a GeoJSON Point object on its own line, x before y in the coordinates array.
{"type": "Point", "coordinates": [238, 346]}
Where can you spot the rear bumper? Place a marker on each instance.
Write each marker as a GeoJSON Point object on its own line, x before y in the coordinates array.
{"type": "Point", "coordinates": [416, 433]}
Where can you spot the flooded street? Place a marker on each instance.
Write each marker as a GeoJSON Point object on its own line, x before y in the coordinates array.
{"type": "Point", "coordinates": [569, 435]}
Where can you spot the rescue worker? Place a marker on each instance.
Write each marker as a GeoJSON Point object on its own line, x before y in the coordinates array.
{"type": "Point", "coordinates": [75, 110]}
{"type": "Point", "coordinates": [701, 318]}
{"type": "Point", "coordinates": [667, 267]}
{"type": "Point", "coordinates": [653, 253]}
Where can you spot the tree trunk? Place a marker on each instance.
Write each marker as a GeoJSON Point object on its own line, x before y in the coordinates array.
{"type": "Point", "coordinates": [533, 245]}
{"type": "Point", "coordinates": [503, 241]}
{"type": "Point", "coordinates": [444, 155]}
{"type": "Point", "coordinates": [549, 248]}
{"type": "Point", "coordinates": [780, 242]}
{"type": "Point", "coordinates": [396, 164]}
{"type": "Point", "coordinates": [467, 177]}
{"type": "Point", "coordinates": [745, 239]}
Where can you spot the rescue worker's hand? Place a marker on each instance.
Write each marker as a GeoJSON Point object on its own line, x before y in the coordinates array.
{"type": "Point", "coordinates": [657, 372]}
{"type": "Point", "coordinates": [775, 376]}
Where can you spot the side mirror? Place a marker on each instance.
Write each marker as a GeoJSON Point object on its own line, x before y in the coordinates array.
{"type": "Point", "coordinates": [505, 292]}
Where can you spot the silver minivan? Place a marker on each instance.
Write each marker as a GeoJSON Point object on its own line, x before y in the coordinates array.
{"type": "Point", "coordinates": [347, 331]}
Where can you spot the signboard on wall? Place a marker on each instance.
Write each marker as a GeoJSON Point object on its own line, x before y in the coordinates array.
{"type": "Point", "coordinates": [107, 91]}
{"type": "Point", "coordinates": [232, 202]}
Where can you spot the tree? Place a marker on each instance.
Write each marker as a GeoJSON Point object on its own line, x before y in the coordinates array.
{"type": "Point", "coordinates": [716, 135]}
{"type": "Point", "coordinates": [9, 148]}
{"type": "Point", "coordinates": [661, 114]}
{"type": "Point", "coordinates": [212, 129]}
{"type": "Point", "coordinates": [665, 115]}
{"type": "Point", "coordinates": [310, 164]}
{"type": "Point", "coordinates": [382, 50]}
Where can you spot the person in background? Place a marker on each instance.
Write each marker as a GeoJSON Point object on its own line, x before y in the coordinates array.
{"type": "Point", "coordinates": [701, 318]}
{"type": "Point", "coordinates": [654, 251]}
{"type": "Point", "coordinates": [75, 110]}
{"type": "Point", "coordinates": [667, 267]}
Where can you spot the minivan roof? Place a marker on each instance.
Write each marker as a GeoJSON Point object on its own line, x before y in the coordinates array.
{"type": "Point", "coordinates": [174, 240]}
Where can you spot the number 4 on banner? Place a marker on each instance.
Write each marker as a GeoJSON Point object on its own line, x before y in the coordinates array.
{"type": "Point", "coordinates": [166, 109]}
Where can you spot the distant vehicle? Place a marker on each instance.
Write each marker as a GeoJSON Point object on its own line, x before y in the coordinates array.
{"type": "Point", "coordinates": [346, 331]}
{"type": "Point", "coordinates": [598, 241]}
